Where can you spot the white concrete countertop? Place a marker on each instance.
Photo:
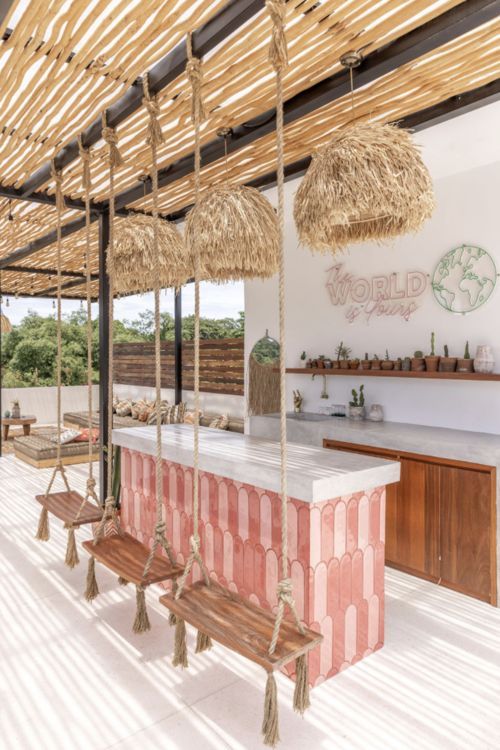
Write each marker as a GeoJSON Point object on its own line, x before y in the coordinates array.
{"type": "Point", "coordinates": [314, 474]}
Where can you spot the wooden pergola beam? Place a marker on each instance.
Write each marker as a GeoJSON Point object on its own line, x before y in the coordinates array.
{"type": "Point", "coordinates": [206, 38]}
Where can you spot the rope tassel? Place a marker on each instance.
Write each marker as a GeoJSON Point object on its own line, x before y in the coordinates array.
{"type": "Point", "coordinates": [71, 558]}
{"type": "Point", "coordinates": [270, 722]}
{"type": "Point", "coordinates": [180, 648]}
{"type": "Point", "coordinates": [203, 643]}
{"type": "Point", "coordinates": [301, 700]}
{"type": "Point", "coordinates": [92, 589]}
{"type": "Point", "coordinates": [141, 622]}
{"type": "Point", "coordinates": [43, 531]}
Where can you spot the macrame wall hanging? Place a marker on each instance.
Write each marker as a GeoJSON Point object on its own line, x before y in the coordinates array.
{"type": "Point", "coordinates": [368, 183]}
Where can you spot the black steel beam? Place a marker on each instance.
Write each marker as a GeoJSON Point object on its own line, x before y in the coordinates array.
{"type": "Point", "coordinates": [178, 346]}
{"type": "Point", "coordinates": [5, 6]}
{"type": "Point", "coordinates": [422, 40]}
{"type": "Point", "coordinates": [45, 198]}
{"type": "Point", "coordinates": [103, 352]}
{"type": "Point", "coordinates": [52, 290]}
{"type": "Point", "coordinates": [50, 272]}
{"type": "Point", "coordinates": [214, 31]}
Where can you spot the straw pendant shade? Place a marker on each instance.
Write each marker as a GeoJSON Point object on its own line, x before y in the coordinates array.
{"type": "Point", "coordinates": [368, 183]}
{"type": "Point", "coordinates": [5, 324]}
{"type": "Point", "coordinates": [134, 255]}
{"type": "Point", "coordinates": [235, 231]}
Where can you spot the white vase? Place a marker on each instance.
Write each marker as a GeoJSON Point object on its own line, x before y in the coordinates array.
{"type": "Point", "coordinates": [484, 361]}
{"type": "Point", "coordinates": [376, 413]}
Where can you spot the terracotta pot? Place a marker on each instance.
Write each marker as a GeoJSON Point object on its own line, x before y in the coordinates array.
{"type": "Point", "coordinates": [375, 364]}
{"type": "Point", "coordinates": [417, 364]}
{"type": "Point", "coordinates": [432, 363]}
{"type": "Point", "coordinates": [328, 364]}
{"type": "Point", "coordinates": [354, 364]}
{"type": "Point", "coordinates": [336, 364]}
{"type": "Point", "coordinates": [344, 364]}
{"type": "Point", "coordinates": [397, 364]}
{"type": "Point", "coordinates": [447, 364]}
{"type": "Point", "coordinates": [387, 364]}
{"type": "Point", "coordinates": [465, 365]}
{"type": "Point", "coordinates": [321, 364]}
{"type": "Point", "coordinates": [365, 364]}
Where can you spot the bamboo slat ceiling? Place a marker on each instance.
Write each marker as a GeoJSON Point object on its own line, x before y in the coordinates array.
{"type": "Point", "coordinates": [65, 62]}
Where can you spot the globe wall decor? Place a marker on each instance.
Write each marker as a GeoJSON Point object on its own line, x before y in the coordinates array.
{"type": "Point", "coordinates": [464, 279]}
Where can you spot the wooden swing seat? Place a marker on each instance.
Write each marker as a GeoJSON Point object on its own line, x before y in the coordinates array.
{"type": "Point", "coordinates": [126, 556]}
{"type": "Point", "coordinates": [65, 506]}
{"type": "Point", "coordinates": [240, 625]}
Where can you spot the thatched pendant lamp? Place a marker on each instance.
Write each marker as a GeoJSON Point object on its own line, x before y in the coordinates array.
{"type": "Point", "coordinates": [134, 255]}
{"type": "Point", "coordinates": [368, 183]}
{"type": "Point", "coordinates": [235, 231]}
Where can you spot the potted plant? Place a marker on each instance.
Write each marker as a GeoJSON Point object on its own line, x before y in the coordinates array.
{"type": "Point", "coordinates": [418, 361]}
{"type": "Point", "coordinates": [387, 363]}
{"type": "Point", "coordinates": [398, 364]}
{"type": "Point", "coordinates": [303, 358]}
{"type": "Point", "coordinates": [432, 360]}
{"type": "Point", "coordinates": [406, 364]}
{"type": "Point", "coordinates": [447, 363]}
{"type": "Point", "coordinates": [343, 353]}
{"type": "Point", "coordinates": [375, 362]}
{"type": "Point", "coordinates": [465, 363]}
{"type": "Point", "coordinates": [321, 361]}
{"type": "Point", "coordinates": [328, 363]}
{"type": "Point", "coordinates": [309, 363]}
{"type": "Point", "coordinates": [365, 363]}
{"type": "Point", "coordinates": [357, 405]}
{"type": "Point", "coordinates": [354, 364]}
{"type": "Point", "coordinates": [335, 363]}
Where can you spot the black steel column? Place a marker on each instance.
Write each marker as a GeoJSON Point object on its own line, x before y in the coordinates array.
{"type": "Point", "coordinates": [104, 404]}
{"type": "Point", "coordinates": [178, 347]}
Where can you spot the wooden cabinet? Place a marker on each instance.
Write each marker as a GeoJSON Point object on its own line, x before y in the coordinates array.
{"type": "Point", "coordinates": [440, 520]}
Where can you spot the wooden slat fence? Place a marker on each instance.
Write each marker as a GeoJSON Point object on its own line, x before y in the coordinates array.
{"type": "Point", "coordinates": [221, 365]}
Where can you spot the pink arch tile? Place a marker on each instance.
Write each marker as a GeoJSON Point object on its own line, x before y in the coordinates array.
{"type": "Point", "coordinates": [176, 529]}
{"type": "Point", "coordinates": [374, 517]}
{"type": "Point", "coordinates": [315, 659]}
{"type": "Point", "coordinates": [368, 572]}
{"type": "Point", "coordinates": [238, 561]}
{"type": "Point", "coordinates": [204, 499]}
{"type": "Point", "coordinates": [298, 587]}
{"type": "Point", "coordinates": [292, 537]}
{"type": "Point", "coordinates": [345, 581]}
{"type": "Point", "coordinates": [379, 568]}
{"type": "Point", "coordinates": [315, 521]}
{"type": "Point", "coordinates": [326, 646]}
{"type": "Point", "coordinates": [228, 556]}
{"type": "Point", "coordinates": [362, 634]}
{"type": "Point", "coordinates": [333, 587]}
{"type": "Point", "coordinates": [265, 521]}
{"type": "Point", "coordinates": [373, 621]}
{"type": "Point", "coordinates": [303, 533]}
{"type": "Point", "coordinates": [383, 496]}
{"type": "Point", "coordinates": [136, 471]}
{"type": "Point", "coordinates": [338, 639]}
{"type": "Point", "coordinates": [248, 566]}
{"type": "Point", "coordinates": [172, 484]}
{"type": "Point", "coordinates": [223, 505]}
{"type": "Point", "coordinates": [243, 513]}
{"type": "Point", "coordinates": [260, 572]}
{"type": "Point", "coordinates": [185, 531]}
{"type": "Point", "coordinates": [253, 515]}
{"type": "Point", "coordinates": [327, 519]}
{"type": "Point", "coordinates": [218, 551]}
{"type": "Point", "coordinates": [276, 521]}
{"type": "Point", "coordinates": [126, 469]}
{"type": "Point", "coordinates": [339, 530]}
{"type": "Point", "coordinates": [351, 632]}
{"type": "Point", "coordinates": [233, 509]}
{"type": "Point", "coordinates": [363, 522]}
{"type": "Point", "coordinates": [209, 546]}
{"type": "Point", "coordinates": [271, 576]}
{"type": "Point", "coordinates": [185, 489]}
{"type": "Point", "coordinates": [357, 576]}
{"type": "Point", "coordinates": [213, 501]}
{"type": "Point", "coordinates": [381, 620]}
{"type": "Point", "coordinates": [352, 525]}
{"type": "Point", "coordinates": [137, 510]}
{"type": "Point", "coordinates": [320, 592]}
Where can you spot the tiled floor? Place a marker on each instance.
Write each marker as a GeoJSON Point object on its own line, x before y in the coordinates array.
{"type": "Point", "coordinates": [74, 677]}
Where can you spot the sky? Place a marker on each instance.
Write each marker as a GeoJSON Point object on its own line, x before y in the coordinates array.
{"type": "Point", "coordinates": [217, 301]}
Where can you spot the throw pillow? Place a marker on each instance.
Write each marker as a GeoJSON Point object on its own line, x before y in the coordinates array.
{"type": "Point", "coordinates": [67, 436]}
{"type": "Point", "coordinates": [83, 436]}
{"type": "Point", "coordinates": [220, 423]}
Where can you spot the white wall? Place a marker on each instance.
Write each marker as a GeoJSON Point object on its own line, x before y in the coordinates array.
{"type": "Point", "coordinates": [467, 191]}
{"type": "Point", "coordinates": [42, 402]}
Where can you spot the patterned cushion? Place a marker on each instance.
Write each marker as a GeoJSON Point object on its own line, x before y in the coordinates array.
{"type": "Point", "coordinates": [189, 417]}
{"type": "Point", "coordinates": [220, 423]}
{"type": "Point", "coordinates": [175, 414]}
{"type": "Point", "coordinates": [67, 436]}
{"type": "Point", "coordinates": [124, 408]}
{"type": "Point", "coordinates": [164, 407]}
{"type": "Point", "coordinates": [83, 436]}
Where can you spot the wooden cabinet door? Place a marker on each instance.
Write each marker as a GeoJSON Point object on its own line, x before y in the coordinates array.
{"type": "Point", "coordinates": [466, 537]}
{"type": "Point", "coordinates": [412, 512]}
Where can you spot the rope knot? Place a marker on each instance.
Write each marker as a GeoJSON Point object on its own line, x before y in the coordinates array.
{"type": "Point", "coordinates": [57, 176]}
{"type": "Point", "coordinates": [160, 529]}
{"type": "Point", "coordinates": [284, 590]}
{"type": "Point", "coordinates": [155, 135]}
{"type": "Point", "coordinates": [194, 73]}
{"type": "Point", "coordinates": [91, 484]}
{"type": "Point", "coordinates": [111, 139]}
{"type": "Point", "coordinates": [278, 51]}
{"type": "Point", "coordinates": [85, 157]}
{"type": "Point", "coordinates": [194, 542]}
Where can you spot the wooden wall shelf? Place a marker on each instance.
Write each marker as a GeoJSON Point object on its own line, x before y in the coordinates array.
{"type": "Point", "coordinates": [395, 374]}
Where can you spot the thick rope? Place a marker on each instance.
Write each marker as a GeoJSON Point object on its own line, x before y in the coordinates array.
{"type": "Point", "coordinates": [195, 75]}
{"type": "Point", "coordinates": [278, 58]}
{"type": "Point", "coordinates": [155, 139]}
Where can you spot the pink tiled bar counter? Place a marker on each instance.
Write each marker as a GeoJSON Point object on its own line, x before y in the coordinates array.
{"type": "Point", "coordinates": [335, 546]}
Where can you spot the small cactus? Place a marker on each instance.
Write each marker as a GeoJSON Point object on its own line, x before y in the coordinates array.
{"type": "Point", "coordinates": [433, 344]}
{"type": "Point", "coordinates": [387, 354]}
{"type": "Point", "coordinates": [366, 356]}
{"type": "Point", "coordinates": [467, 352]}
{"type": "Point", "coordinates": [418, 354]}
{"type": "Point", "coordinates": [446, 350]}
